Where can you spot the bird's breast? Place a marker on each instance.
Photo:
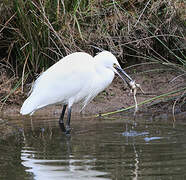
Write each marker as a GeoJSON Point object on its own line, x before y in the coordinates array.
{"type": "Point", "coordinates": [102, 81]}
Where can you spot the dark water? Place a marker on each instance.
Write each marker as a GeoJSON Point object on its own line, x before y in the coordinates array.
{"type": "Point", "coordinates": [98, 149]}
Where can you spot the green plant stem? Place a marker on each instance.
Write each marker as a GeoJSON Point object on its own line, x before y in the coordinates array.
{"type": "Point", "coordinates": [141, 103]}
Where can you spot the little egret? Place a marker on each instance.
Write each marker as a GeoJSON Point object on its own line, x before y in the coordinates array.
{"type": "Point", "coordinates": [76, 77]}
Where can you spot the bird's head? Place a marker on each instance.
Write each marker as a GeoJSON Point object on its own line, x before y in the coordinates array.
{"type": "Point", "coordinates": [108, 60]}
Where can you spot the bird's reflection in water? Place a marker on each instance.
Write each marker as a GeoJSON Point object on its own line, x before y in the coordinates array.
{"type": "Point", "coordinates": [44, 164]}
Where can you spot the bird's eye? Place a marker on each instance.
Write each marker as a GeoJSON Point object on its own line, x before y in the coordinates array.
{"type": "Point", "coordinates": [114, 65]}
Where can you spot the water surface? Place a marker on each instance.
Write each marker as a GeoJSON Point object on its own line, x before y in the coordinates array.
{"type": "Point", "coordinates": [97, 149]}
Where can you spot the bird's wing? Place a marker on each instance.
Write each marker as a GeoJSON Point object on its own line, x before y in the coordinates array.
{"type": "Point", "coordinates": [61, 82]}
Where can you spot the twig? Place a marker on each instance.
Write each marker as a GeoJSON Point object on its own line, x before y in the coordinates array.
{"type": "Point", "coordinates": [142, 13]}
{"type": "Point", "coordinates": [4, 26]}
{"type": "Point", "coordinates": [22, 78]}
{"type": "Point", "coordinates": [177, 77]}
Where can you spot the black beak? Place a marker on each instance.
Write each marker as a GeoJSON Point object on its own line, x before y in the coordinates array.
{"type": "Point", "coordinates": [121, 72]}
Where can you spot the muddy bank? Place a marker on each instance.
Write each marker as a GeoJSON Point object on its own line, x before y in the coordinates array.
{"type": "Point", "coordinates": [117, 96]}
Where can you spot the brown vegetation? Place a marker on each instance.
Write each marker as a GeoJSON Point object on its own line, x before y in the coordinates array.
{"type": "Point", "coordinates": [36, 34]}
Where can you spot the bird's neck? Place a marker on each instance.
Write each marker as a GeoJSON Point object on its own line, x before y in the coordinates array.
{"type": "Point", "coordinates": [104, 76]}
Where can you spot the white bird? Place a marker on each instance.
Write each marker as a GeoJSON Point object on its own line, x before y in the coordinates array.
{"type": "Point", "coordinates": [76, 77]}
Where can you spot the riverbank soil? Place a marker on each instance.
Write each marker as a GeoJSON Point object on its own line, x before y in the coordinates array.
{"type": "Point", "coordinates": [115, 97]}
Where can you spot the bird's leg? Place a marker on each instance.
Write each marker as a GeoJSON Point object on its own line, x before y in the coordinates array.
{"type": "Point", "coordinates": [68, 121]}
{"type": "Point", "coordinates": [61, 122]}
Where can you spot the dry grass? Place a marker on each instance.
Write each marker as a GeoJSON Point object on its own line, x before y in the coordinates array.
{"type": "Point", "coordinates": [35, 34]}
{"type": "Point", "coordinates": [10, 92]}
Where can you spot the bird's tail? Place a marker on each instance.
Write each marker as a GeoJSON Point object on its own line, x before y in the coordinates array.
{"type": "Point", "coordinates": [28, 106]}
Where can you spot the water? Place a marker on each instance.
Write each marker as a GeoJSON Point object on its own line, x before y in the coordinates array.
{"type": "Point", "coordinates": [97, 150]}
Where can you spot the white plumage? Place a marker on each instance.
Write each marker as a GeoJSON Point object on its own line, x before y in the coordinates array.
{"type": "Point", "coordinates": [76, 77]}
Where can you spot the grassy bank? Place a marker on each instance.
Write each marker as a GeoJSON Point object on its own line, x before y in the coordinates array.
{"type": "Point", "coordinates": [35, 34]}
